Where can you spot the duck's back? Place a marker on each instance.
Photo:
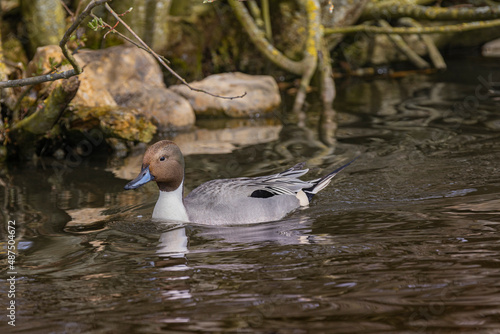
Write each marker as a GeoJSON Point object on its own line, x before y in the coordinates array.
{"type": "Point", "coordinates": [243, 200]}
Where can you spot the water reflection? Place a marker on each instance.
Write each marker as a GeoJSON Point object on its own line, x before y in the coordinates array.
{"type": "Point", "coordinates": [173, 243]}
{"type": "Point", "coordinates": [405, 240]}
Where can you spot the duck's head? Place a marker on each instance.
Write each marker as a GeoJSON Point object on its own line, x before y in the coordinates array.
{"type": "Point", "coordinates": [163, 162]}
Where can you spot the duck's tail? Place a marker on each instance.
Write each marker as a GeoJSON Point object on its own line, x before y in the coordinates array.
{"type": "Point", "coordinates": [321, 183]}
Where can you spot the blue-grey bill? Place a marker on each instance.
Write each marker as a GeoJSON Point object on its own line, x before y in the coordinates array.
{"type": "Point", "coordinates": [143, 178]}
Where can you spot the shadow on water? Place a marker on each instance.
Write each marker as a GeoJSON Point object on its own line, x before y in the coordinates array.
{"type": "Point", "coordinates": [404, 240]}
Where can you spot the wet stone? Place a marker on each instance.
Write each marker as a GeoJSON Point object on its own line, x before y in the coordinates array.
{"type": "Point", "coordinates": [262, 95]}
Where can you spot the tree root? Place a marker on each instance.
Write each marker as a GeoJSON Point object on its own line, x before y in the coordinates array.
{"type": "Point", "coordinates": [391, 10]}
{"type": "Point", "coordinates": [405, 49]}
{"type": "Point", "coordinates": [370, 29]}
{"type": "Point", "coordinates": [42, 120]}
{"type": "Point", "coordinates": [327, 124]}
{"type": "Point", "coordinates": [316, 55]}
{"type": "Point", "coordinates": [434, 54]}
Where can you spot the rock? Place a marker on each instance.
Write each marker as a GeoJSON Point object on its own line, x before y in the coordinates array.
{"type": "Point", "coordinates": [122, 66]}
{"type": "Point", "coordinates": [115, 122]}
{"type": "Point", "coordinates": [166, 108]}
{"type": "Point", "coordinates": [122, 76]}
{"type": "Point", "coordinates": [42, 60]}
{"type": "Point", "coordinates": [92, 92]}
{"type": "Point", "coordinates": [491, 49]}
{"type": "Point", "coordinates": [262, 95]}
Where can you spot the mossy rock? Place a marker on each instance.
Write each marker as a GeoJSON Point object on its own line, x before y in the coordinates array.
{"type": "Point", "coordinates": [116, 122]}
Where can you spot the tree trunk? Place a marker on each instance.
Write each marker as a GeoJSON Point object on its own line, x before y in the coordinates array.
{"type": "Point", "coordinates": [149, 18]}
{"type": "Point", "coordinates": [44, 21]}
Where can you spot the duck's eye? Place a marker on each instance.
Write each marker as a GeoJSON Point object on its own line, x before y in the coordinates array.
{"type": "Point", "coordinates": [162, 159]}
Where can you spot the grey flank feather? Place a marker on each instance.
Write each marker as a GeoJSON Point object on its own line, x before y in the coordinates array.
{"type": "Point", "coordinates": [284, 183]}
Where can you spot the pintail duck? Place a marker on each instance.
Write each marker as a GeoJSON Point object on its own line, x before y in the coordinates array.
{"type": "Point", "coordinates": [241, 200]}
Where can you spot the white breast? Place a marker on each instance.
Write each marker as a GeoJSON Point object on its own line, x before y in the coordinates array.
{"type": "Point", "coordinates": [170, 206]}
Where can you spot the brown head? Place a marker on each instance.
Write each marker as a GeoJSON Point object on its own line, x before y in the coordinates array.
{"type": "Point", "coordinates": [163, 162]}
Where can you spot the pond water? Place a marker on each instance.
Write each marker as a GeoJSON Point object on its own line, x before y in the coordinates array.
{"type": "Point", "coordinates": [404, 240]}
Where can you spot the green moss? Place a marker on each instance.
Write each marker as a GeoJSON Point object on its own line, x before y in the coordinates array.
{"type": "Point", "coordinates": [44, 21]}
{"type": "Point", "coordinates": [115, 122]}
{"type": "Point", "coordinates": [13, 50]}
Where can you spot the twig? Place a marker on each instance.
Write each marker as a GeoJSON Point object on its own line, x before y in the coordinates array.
{"type": "Point", "coordinates": [77, 11]}
{"type": "Point", "coordinates": [151, 51]}
{"type": "Point", "coordinates": [67, 8]}
{"type": "Point", "coordinates": [131, 41]}
{"type": "Point", "coordinates": [113, 28]}
{"type": "Point", "coordinates": [67, 34]}
{"type": "Point", "coordinates": [38, 79]}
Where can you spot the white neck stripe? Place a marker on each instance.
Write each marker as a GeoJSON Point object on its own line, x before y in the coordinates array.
{"type": "Point", "coordinates": [170, 205]}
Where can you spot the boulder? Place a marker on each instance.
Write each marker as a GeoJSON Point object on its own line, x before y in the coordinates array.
{"type": "Point", "coordinates": [262, 95]}
{"type": "Point", "coordinates": [491, 49]}
{"type": "Point", "coordinates": [165, 107]}
{"type": "Point", "coordinates": [121, 76]}
{"type": "Point", "coordinates": [114, 122]}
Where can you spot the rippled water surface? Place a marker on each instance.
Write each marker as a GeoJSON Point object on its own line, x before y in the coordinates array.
{"type": "Point", "coordinates": [404, 240]}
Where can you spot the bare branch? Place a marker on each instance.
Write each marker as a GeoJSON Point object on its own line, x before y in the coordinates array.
{"type": "Point", "coordinates": [67, 8]}
{"type": "Point", "coordinates": [38, 79]}
{"type": "Point", "coordinates": [114, 31]}
{"type": "Point", "coordinates": [73, 27]}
